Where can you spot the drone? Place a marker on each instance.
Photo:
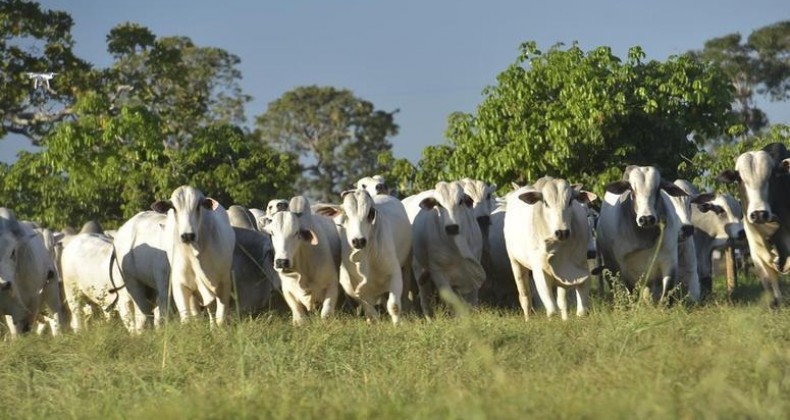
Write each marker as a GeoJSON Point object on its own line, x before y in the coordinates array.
{"type": "Point", "coordinates": [41, 79]}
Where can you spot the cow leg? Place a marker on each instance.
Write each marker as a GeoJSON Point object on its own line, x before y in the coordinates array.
{"type": "Point", "coordinates": [55, 304]}
{"type": "Point", "coordinates": [582, 298]}
{"type": "Point", "coordinates": [126, 310]}
{"type": "Point", "coordinates": [75, 306]}
{"type": "Point", "coordinates": [330, 297]}
{"type": "Point", "coordinates": [184, 301]}
{"type": "Point", "coordinates": [770, 280]}
{"type": "Point", "coordinates": [520, 273]}
{"type": "Point", "coordinates": [426, 288]}
{"type": "Point", "coordinates": [546, 293]}
{"type": "Point", "coordinates": [143, 307]}
{"type": "Point", "coordinates": [562, 301]}
{"type": "Point", "coordinates": [223, 301]}
{"type": "Point", "coordinates": [371, 314]}
{"type": "Point", "coordinates": [394, 300]}
{"type": "Point", "coordinates": [297, 309]}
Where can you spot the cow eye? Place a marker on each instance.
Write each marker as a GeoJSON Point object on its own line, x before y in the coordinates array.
{"type": "Point", "coordinates": [371, 215]}
{"type": "Point", "coordinates": [488, 196]}
{"type": "Point", "coordinates": [13, 255]}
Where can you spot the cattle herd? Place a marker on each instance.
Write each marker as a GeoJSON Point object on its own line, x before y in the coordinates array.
{"type": "Point", "coordinates": [377, 252]}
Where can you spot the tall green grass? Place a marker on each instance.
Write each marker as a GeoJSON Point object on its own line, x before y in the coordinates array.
{"type": "Point", "coordinates": [719, 360]}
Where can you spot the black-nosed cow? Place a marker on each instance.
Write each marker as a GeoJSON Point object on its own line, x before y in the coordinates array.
{"type": "Point", "coordinates": [629, 228]}
{"type": "Point", "coordinates": [546, 232]}
{"type": "Point", "coordinates": [763, 185]}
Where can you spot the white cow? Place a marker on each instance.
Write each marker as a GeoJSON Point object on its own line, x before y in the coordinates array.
{"type": "Point", "coordinates": [85, 265]}
{"type": "Point", "coordinates": [447, 245]}
{"type": "Point", "coordinates": [717, 224]}
{"type": "Point", "coordinates": [629, 228]}
{"type": "Point", "coordinates": [687, 273]}
{"type": "Point", "coordinates": [199, 242]}
{"type": "Point", "coordinates": [140, 252]}
{"type": "Point", "coordinates": [306, 258]}
{"type": "Point", "coordinates": [375, 249]}
{"type": "Point", "coordinates": [546, 232]}
{"type": "Point", "coordinates": [27, 275]}
{"type": "Point", "coordinates": [374, 185]}
{"type": "Point", "coordinates": [763, 185]}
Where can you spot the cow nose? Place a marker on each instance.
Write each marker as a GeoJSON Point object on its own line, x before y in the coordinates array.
{"type": "Point", "coordinates": [646, 221]}
{"type": "Point", "coordinates": [741, 234]}
{"type": "Point", "coordinates": [452, 229]}
{"type": "Point", "coordinates": [687, 230]}
{"type": "Point", "coordinates": [282, 263]}
{"type": "Point", "coordinates": [591, 254]}
{"type": "Point", "coordinates": [484, 221]}
{"type": "Point", "coordinates": [187, 237]}
{"type": "Point", "coordinates": [359, 243]}
{"type": "Point", "coordinates": [562, 234]}
{"type": "Point", "coordinates": [759, 216]}
{"type": "Point", "coordinates": [24, 327]}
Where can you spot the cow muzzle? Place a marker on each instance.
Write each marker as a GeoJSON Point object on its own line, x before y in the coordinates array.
{"type": "Point", "coordinates": [359, 243]}
{"type": "Point", "coordinates": [646, 221]}
{"type": "Point", "coordinates": [760, 216]}
{"type": "Point", "coordinates": [686, 231]}
{"type": "Point", "coordinates": [452, 230]}
{"type": "Point", "coordinates": [282, 264]}
{"type": "Point", "coordinates": [562, 234]}
{"type": "Point", "coordinates": [188, 238]}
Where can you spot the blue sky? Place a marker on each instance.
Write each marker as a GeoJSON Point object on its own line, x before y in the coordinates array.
{"type": "Point", "coordinates": [426, 58]}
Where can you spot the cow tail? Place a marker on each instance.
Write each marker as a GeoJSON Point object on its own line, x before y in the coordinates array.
{"type": "Point", "coordinates": [115, 289]}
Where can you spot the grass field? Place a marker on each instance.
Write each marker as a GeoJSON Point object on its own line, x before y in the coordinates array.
{"type": "Point", "coordinates": [722, 360]}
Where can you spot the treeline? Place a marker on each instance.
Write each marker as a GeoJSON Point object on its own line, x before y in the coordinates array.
{"type": "Point", "coordinates": [168, 112]}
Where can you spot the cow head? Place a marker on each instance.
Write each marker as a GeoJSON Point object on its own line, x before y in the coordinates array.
{"type": "Point", "coordinates": [555, 197]}
{"type": "Point", "coordinates": [483, 201]}
{"type": "Point", "coordinates": [753, 171]}
{"type": "Point", "coordinates": [682, 205]}
{"type": "Point", "coordinates": [187, 205]}
{"type": "Point", "coordinates": [452, 205]}
{"type": "Point", "coordinates": [720, 218]}
{"type": "Point", "coordinates": [287, 234]}
{"type": "Point", "coordinates": [357, 215]}
{"type": "Point", "coordinates": [276, 205]}
{"type": "Point", "coordinates": [373, 185]}
{"type": "Point", "coordinates": [643, 183]}
{"type": "Point", "coordinates": [12, 236]}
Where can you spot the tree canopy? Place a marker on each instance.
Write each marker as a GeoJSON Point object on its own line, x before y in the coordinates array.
{"type": "Point", "coordinates": [584, 116]}
{"type": "Point", "coordinates": [338, 136]}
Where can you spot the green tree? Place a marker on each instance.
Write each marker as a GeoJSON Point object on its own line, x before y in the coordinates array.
{"type": "Point", "coordinates": [337, 135]}
{"type": "Point", "coordinates": [758, 65]}
{"type": "Point", "coordinates": [34, 40]}
{"type": "Point", "coordinates": [584, 116]}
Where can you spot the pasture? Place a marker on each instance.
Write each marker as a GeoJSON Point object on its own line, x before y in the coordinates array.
{"type": "Point", "coordinates": [722, 359]}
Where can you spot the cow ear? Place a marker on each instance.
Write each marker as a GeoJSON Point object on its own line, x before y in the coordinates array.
{"type": "Point", "coordinates": [347, 192]}
{"type": "Point", "coordinates": [209, 203]}
{"type": "Point", "coordinates": [703, 198]}
{"type": "Point", "coordinates": [627, 170]}
{"type": "Point", "coordinates": [329, 211]}
{"type": "Point", "coordinates": [784, 166]}
{"type": "Point", "coordinates": [467, 201]}
{"type": "Point", "coordinates": [162, 206]}
{"type": "Point", "coordinates": [514, 186]}
{"type": "Point", "coordinates": [531, 197]}
{"type": "Point", "coordinates": [429, 203]}
{"type": "Point", "coordinates": [282, 206]}
{"type": "Point", "coordinates": [617, 187]}
{"type": "Point", "coordinates": [728, 176]}
{"type": "Point", "coordinates": [673, 189]}
{"type": "Point", "coordinates": [585, 197]}
{"type": "Point", "coordinates": [705, 207]}
{"type": "Point", "coordinates": [308, 236]}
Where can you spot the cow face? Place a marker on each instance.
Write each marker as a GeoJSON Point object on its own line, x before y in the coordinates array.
{"type": "Point", "coordinates": [187, 205]}
{"type": "Point", "coordinates": [682, 206]}
{"type": "Point", "coordinates": [643, 184]}
{"type": "Point", "coordinates": [287, 236]}
{"type": "Point", "coordinates": [555, 196]}
{"type": "Point", "coordinates": [452, 205]}
{"type": "Point", "coordinates": [720, 218]}
{"type": "Point", "coordinates": [361, 215]}
{"type": "Point", "coordinates": [483, 202]}
{"type": "Point", "coordinates": [753, 172]}
{"type": "Point", "coordinates": [373, 185]}
{"type": "Point", "coordinates": [276, 205]}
